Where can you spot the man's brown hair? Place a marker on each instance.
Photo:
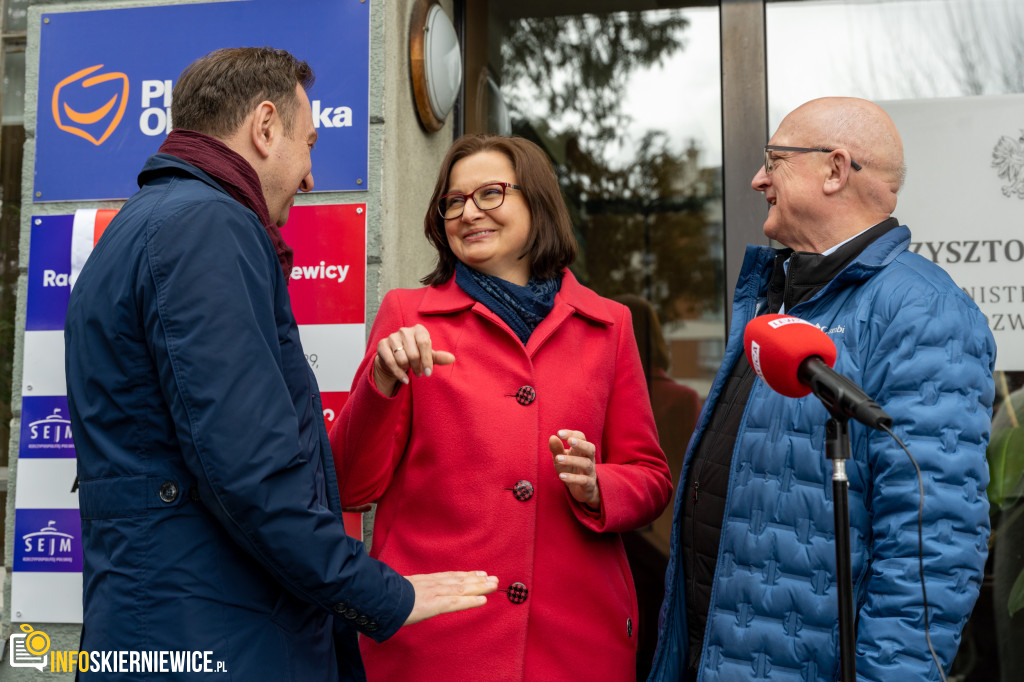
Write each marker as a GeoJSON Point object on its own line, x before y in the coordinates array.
{"type": "Point", "coordinates": [551, 246]}
{"type": "Point", "coordinates": [216, 92]}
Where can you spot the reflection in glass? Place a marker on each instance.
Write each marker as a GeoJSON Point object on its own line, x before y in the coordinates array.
{"type": "Point", "coordinates": [903, 49]}
{"type": "Point", "coordinates": [676, 406]}
{"type": "Point", "coordinates": [497, 112]}
{"type": "Point", "coordinates": [627, 105]}
{"type": "Point", "coordinates": [643, 184]}
{"type": "Point", "coordinates": [14, 86]}
{"type": "Point", "coordinates": [15, 15]}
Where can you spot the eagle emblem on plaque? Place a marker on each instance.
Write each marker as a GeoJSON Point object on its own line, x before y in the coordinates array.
{"type": "Point", "coordinates": [1008, 160]}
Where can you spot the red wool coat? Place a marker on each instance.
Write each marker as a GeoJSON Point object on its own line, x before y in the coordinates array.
{"type": "Point", "coordinates": [464, 480]}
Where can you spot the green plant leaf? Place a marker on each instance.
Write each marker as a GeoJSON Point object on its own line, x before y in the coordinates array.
{"type": "Point", "coordinates": [1016, 600]}
{"type": "Point", "coordinates": [1005, 466]}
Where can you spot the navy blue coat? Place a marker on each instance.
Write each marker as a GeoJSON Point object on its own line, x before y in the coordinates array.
{"type": "Point", "coordinates": [210, 513]}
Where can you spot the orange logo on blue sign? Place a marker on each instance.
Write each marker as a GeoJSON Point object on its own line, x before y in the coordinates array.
{"type": "Point", "coordinates": [76, 121]}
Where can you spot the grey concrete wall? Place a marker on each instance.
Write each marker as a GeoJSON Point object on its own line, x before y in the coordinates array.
{"type": "Point", "coordinates": [408, 163]}
{"type": "Point", "coordinates": [403, 162]}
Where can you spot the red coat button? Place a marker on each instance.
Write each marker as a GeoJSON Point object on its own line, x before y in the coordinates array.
{"type": "Point", "coordinates": [523, 490]}
{"type": "Point", "coordinates": [526, 395]}
{"type": "Point", "coordinates": [516, 593]}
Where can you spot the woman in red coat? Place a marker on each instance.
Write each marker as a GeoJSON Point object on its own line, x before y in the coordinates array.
{"type": "Point", "coordinates": [501, 418]}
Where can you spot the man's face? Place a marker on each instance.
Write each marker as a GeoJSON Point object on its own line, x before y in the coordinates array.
{"type": "Point", "coordinates": [793, 189]}
{"type": "Point", "coordinates": [291, 166]}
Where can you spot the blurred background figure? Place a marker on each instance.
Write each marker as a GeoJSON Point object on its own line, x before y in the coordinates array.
{"type": "Point", "coordinates": [676, 408]}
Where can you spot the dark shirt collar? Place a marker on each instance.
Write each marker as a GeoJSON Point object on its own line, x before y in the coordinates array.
{"type": "Point", "coordinates": [807, 273]}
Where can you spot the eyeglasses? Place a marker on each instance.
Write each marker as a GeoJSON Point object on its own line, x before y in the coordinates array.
{"type": "Point", "coordinates": [486, 197]}
{"type": "Point", "coordinates": [769, 162]}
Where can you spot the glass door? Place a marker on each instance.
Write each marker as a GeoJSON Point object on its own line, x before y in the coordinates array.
{"type": "Point", "coordinates": [625, 99]}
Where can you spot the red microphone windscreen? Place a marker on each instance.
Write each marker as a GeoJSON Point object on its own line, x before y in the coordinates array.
{"type": "Point", "coordinates": [776, 345]}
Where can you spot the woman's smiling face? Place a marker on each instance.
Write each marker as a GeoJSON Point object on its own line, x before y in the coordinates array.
{"type": "Point", "coordinates": [493, 241]}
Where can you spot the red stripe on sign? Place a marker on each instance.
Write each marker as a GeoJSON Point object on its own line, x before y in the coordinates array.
{"type": "Point", "coordinates": [103, 218]}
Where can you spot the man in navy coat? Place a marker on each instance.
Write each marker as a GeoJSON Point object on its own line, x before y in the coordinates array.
{"type": "Point", "coordinates": [211, 521]}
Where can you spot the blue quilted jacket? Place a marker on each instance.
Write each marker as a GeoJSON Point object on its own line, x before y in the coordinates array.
{"type": "Point", "coordinates": [917, 344]}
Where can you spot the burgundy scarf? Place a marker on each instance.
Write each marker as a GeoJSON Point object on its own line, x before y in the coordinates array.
{"type": "Point", "coordinates": [235, 175]}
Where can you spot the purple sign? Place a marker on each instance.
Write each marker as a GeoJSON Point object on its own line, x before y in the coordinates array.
{"type": "Point", "coordinates": [45, 428]}
{"type": "Point", "coordinates": [47, 540]}
{"type": "Point", "coordinates": [49, 272]}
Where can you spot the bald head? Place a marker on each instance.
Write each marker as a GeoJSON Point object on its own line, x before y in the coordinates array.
{"type": "Point", "coordinates": [818, 200]}
{"type": "Point", "coordinates": [855, 124]}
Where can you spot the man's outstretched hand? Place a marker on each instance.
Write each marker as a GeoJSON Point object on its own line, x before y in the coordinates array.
{"type": "Point", "coordinates": [438, 593]}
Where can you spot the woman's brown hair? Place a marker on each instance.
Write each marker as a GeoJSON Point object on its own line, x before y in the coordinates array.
{"type": "Point", "coordinates": [551, 246]}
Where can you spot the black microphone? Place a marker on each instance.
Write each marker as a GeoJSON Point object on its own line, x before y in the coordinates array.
{"type": "Point", "coordinates": [795, 358]}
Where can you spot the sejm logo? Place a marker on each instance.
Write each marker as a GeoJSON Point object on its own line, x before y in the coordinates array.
{"type": "Point", "coordinates": [54, 429]}
{"type": "Point", "coordinates": [48, 544]}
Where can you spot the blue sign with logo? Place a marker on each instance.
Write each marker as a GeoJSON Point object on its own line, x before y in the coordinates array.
{"type": "Point", "coordinates": [47, 540]}
{"type": "Point", "coordinates": [106, 77]}
{"type": "Point", "coordinates": [45, 427]}
{"type": "Point", "coordinates": [49, 272]}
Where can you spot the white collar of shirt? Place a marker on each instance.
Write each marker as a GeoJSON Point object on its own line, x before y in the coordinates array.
{"type": "Point", "coordinates": [829, 251]}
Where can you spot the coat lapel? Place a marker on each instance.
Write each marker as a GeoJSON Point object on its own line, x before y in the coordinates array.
{"type": "Point", "coordinates": [573, 298]}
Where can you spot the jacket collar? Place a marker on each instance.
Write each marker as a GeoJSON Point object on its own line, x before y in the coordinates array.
{"type": "Point", "coordinates": [799, 275]}
{"type": "Point", "coordinates": [159, 165]}
{"type": "Point", "coordinates": [449, 298]}
{"type": "Point", "coordinates": [759, 261]}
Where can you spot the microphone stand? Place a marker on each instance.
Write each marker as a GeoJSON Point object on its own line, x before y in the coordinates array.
{"type": "Point", "coordinates": [843, 399]}
{"type": "Point", "coordinates": [837, 448]}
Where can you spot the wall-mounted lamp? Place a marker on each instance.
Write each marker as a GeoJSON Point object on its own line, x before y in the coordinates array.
{"type": "Point", "coordinates": [436, 62]}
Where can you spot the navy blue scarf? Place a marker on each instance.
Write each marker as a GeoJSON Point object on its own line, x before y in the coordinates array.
{"type": "Point", "coordinates": [521, 308]}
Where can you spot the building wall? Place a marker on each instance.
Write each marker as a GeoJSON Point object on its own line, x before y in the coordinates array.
{"type": "Point", "coordinates": [403, 161]}
{"type": "Point", "coordinates": [408, 160]}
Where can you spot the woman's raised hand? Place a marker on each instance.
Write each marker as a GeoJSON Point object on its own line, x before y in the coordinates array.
{"type": "Point", "coordinates": [408, 349]}
{"type": "Point", "coordinates": [577, 466]}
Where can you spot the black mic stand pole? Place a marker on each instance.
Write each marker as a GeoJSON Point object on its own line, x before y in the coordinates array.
{"type": "Point", "coordinates": [837, 448]}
